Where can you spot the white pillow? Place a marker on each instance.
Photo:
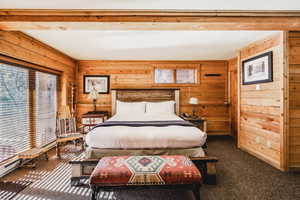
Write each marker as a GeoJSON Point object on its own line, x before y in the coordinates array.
{"type": "Point", "coordinates": [165, 107]}
{"type": "Point", "coordinates": [131, 107]}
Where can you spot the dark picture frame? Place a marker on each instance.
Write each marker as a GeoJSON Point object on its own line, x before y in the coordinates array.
{"type": "Point", "coordinates": [97, 80]}
{"type": "Point", "coordinates": [258, 69]}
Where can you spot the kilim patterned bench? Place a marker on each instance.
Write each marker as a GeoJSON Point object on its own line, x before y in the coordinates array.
{"type": "Point", "coordinates": [133, 172]}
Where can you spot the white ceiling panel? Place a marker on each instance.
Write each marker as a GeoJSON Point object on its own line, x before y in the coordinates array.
{"type": "Point", "coordinates": [154, 4]}
{"type": "Point", "coordinates": [149, 45]}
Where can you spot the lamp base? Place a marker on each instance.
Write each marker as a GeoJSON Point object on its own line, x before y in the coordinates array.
{"type": "Point", "coordinates": [94, 102]}
{"type": "Point", "coordinates": [194, 112]}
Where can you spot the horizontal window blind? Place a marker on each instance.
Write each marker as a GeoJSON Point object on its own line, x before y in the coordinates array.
{"type": "Point", "coordinates": [45, 107]}
{"type": "Point", "coordinates": [14, 110]}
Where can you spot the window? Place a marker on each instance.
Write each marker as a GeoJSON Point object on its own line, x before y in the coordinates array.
{"type": "Point", "coordinates": [175, 76]}
{"type": "Point", "coordinates": [185, 76]}
{"type": "Point", "coordinates": [21, 127]}
{"type": "Point", "coordinates": [14, 110]}
{"type": "Point", "coordinates": [164, 76]}
{"type": "Point", "coordinates": [46, 107]}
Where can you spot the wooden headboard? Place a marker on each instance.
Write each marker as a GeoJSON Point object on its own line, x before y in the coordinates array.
{"type": "Point", "coordinates": [145, 94]}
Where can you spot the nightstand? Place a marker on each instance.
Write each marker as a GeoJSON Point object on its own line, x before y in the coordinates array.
{"type": "Point", "coordinates": [197, 121]}
{"type": "Point", "coordinates": [92, 118]}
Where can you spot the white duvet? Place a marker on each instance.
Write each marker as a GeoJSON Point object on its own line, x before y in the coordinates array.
{"type": "Point", "coordinates": [121, 137]}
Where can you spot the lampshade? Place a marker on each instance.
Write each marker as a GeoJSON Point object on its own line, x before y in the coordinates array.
{"type": "Point", "coordinates": [93, 94]}
{"type": "Point", "coordinates": [193, 100]}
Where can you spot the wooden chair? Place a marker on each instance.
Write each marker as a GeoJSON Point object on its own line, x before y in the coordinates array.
{"type": "Point", "coordinates": [66, 130]}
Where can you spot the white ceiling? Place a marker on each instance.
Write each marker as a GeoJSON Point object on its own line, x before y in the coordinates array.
{"type": "Point", "coordinates": [149, 45]}
{"type": "Point", "coordinates": [154, 4]}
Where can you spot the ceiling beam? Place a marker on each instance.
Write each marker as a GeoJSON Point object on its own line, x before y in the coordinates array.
{"type": "Point", "coordinates": [11, 19]}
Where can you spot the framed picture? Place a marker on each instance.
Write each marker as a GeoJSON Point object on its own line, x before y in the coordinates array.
{"type": "Point", "coordinates": [258, 69]}
{"type": "Point", "coordinates": [99, 82]}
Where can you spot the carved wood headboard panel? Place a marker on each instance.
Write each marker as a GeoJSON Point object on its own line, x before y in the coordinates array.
{"type": "Point", "coordinates": [147, 94]}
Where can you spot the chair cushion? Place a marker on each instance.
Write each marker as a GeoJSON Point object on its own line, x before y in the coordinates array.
{"type": "Point", "coordinates": [145, 170]}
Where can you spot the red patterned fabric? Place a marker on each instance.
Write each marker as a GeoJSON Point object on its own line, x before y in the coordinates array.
{"type": "Point", "coordinates": [145, 170]}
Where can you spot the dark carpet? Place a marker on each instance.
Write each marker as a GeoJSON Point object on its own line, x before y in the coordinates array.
{"type": "Point", "coordinates": [240, 176]}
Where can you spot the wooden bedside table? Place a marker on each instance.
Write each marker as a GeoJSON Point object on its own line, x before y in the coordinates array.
{"type": "Point", "coordinates": [197, 121]}
{"type": "Point", "coordinates": [92, 118]}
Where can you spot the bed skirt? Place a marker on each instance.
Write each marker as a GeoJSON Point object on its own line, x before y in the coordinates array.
{"type": "Point", "coordinates": [95, 153]}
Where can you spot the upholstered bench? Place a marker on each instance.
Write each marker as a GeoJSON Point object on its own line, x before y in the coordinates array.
{"type": "Point", "coordinates": [133, 172]}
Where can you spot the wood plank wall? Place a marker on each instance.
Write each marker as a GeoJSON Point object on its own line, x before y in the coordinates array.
{"type": "Point", "coordinates": [211, 91]}
{"type": "Point", "coordinates": [232, 93]}
{"type": "Point", "coordinates": [294, 99]}
{"type": "Point", "coordinates": [260, 111]}
{"type": "Point", "coordinates": [21, 46]}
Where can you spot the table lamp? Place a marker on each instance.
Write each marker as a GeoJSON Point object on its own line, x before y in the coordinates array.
{"type": "Point", "coordinates": [193, 101]}
{"type": "Point", "coordinates": [94, 96]}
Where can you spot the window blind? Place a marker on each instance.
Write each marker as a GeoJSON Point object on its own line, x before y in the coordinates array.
{"type": "Point", "coordinates": [14, 110]}
{"type": "Point", "coordinates": [45, 107]}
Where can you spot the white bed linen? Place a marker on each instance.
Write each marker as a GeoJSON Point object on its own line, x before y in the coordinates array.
{"type": "Point", "coordinates": [121, 137]}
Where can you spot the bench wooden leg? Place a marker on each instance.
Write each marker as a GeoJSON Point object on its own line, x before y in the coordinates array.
{"type": "Point", "coordinates": [46, 156]}
{"type": "Point", "coordinates": [208, 171]}
{"type": "Point", "coordinates": [211, 173]}
{"type": "Point", "coordinates": [94, 193]}
{"type": "Point", "coordinates": [196, 191]}
{"type": "Point", "coordinates": [58, 150]}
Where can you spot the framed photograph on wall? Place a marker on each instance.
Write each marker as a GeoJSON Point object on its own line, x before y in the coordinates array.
{"type": "Point", "coordinates": [99, 82]}
{"type": "Point", "coordinates": [258, 69]}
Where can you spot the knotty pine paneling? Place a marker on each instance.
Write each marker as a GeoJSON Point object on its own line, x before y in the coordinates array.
{"type": "Point", "coordinates": [211, 91]}
{"type": "Point", "coordinates": [18, 45]}
{"type": "Point", "coordinates": [294, 99]}
{"type": "Point", "coordinates": [232, 93]}
{"type": "Point", "coordinates": [260, 111]}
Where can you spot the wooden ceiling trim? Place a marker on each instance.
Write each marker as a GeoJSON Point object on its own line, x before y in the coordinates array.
{"type": "Point", "coordinates": [293, 25]}
{"type": "Point", "coordinates": [89, 62]}
{"type": "Point", "coordinates": [157, 12]}
{"type": "Point", "coordinates": [11, 19]}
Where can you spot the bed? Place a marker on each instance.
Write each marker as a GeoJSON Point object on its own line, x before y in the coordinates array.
{"type": "Point", "coordinates": [143, 122]}
{"type": "Point", "coordinates": [141, 136]}
{"type": "Point", "coordinates": [131, 130]}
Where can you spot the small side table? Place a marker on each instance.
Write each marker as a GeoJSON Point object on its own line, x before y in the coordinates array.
{"type": "Point", "coordinates": [197, 121]}
{"type": "Point", "coordinates": [92, 118]}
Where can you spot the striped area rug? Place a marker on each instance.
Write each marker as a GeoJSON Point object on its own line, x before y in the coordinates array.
{"type": "Point", "coordinates": [55, 185]}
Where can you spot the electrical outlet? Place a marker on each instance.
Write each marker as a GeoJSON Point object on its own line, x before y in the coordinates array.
{"type": "Point", "coordinates": [257, 87]}
{"type": "Point", "coordinates": [269, 144]}
{"type": "Point", "coordinates": [257, 139]}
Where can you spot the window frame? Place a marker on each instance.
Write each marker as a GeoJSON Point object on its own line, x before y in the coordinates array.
{"type": "Point", "coordinates": [32, 115]}
{"type": "Point", "coordinates": [175, 68]}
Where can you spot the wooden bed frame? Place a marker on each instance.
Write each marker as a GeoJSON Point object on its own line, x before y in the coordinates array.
{"type": "Point", "coordinates": [82, 168]}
